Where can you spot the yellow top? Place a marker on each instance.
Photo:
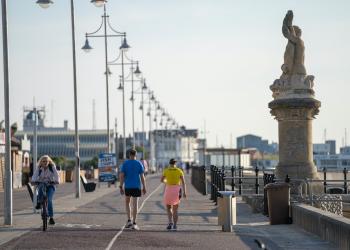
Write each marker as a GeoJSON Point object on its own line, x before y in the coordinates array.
{"type": "Point", "coordinates": [172, 175]}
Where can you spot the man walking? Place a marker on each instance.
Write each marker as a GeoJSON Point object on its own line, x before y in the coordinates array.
{"type": "Point", "coordinates": [131, 175]}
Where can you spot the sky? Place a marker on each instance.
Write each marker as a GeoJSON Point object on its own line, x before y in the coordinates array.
{"type": "Point", "coordinates": [208, 62]}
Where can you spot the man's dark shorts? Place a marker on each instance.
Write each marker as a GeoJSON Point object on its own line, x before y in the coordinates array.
{"type": "Point", "coordinates": [133, 192]}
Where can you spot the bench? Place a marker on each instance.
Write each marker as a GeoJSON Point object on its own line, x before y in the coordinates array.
{"type": "Point", "coordinates": [88, 186]}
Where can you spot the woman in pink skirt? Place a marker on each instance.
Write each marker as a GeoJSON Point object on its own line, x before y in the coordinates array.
{"type": "Point", "coordinates": [173, 177]}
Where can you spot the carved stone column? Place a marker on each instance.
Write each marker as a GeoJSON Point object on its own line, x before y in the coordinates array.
{"type": "Point", "coordinates": [294, 116]}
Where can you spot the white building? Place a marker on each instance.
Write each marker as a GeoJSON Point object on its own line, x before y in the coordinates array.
{"type": "Point", "coordinates": [335, 161]}
{"type": "Point", "coordinates": [180, 144]}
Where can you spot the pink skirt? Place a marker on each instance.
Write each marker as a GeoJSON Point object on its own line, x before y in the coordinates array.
{"type": "Point", "coordinates": [171, 194]}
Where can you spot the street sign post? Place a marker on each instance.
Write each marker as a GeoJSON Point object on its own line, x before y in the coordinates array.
{"type": "Point", "coordinates": [107, 164]}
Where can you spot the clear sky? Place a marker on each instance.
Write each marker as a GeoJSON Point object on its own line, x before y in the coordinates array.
{"type": "Point", "coordinates": [206, 60]}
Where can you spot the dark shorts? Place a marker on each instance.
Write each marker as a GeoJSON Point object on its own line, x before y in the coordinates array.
{"type": "Point", "coordinates": [134, 192]}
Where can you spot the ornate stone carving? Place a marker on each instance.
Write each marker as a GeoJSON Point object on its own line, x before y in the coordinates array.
{"type": "Point", "coordinates": [294, 82]}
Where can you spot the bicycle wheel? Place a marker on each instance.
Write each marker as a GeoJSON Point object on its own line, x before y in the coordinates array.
{"type": "Point", "coordinates": [44, 215]}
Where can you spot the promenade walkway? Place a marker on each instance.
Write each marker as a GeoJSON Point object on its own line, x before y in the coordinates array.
{"type": "Point", "coordinates": [96, 221]}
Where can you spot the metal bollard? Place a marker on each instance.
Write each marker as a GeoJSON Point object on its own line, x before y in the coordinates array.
{"type": "Point", "coordinates": [233, 180]}
{"type": "Point", "coordinates": [211, 182]}
{"type": "Point", "coordinates": [223, 186]}
{"type": "Point", "coordinates": [324, 180]}
{"type": "Point", "coordinates": [256, 180]}
{"type": "Point", "coordinates": [345, 171]}
{"type": "Point", "coordinates": [240, 180]}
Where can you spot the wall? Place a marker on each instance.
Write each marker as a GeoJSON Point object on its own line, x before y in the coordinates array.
{"type": "Point", "coordinates": [328, 226]}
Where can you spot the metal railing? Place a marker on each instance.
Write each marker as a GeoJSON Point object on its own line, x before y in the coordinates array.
{"type": "Point", "coordinates": [234, 177]}
{"type": "Point", "coordinates": [199, 179]}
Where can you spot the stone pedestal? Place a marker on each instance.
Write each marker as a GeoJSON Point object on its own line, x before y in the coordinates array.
{"type": "Point", "coordinates": [294, 116]}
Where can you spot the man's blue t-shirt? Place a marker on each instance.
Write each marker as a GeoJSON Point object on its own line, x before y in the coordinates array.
{"type": "Point", "coordinates": [132, 170]}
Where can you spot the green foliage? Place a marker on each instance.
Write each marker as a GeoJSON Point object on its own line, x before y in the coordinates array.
{"type": "Point", "coordinates": [93, 162]}
{"type": "Point", "coordinates": [64, 163]}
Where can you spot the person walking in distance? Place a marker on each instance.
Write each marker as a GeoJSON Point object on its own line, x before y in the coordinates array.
{"type": "Point", "coordinates": [173, 177]}
{"type": "Point", "coordinates": [131, 176]}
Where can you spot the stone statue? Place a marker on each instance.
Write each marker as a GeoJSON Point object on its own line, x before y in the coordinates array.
{"type": "Point", "coordinates": [294, 54]}
{"type": "Point", "coordinates": [293, 82]}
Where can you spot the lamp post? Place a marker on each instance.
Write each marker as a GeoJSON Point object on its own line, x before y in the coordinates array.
{"type": "Point", "coordinates": [133, 71]}
{"type": "Point", "coordinates": [8, 173]}
{"type": "Point", "coordinates": [46, 4]}
{"type": "Point", "coordinates": [140, 91]}
{"type": "Point", "coordinates": [125, 60]}
{"type": "Point", "coordinates": [150, 136]}
{"type": "Point", "coordinates": [88, 48]}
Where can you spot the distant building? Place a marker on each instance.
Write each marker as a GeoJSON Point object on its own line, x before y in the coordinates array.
{"type": "Point", "coordinates": [59, 141]}
{"type": "Point", "coordinates": [333, 161]}
{"type": "Point", "coordinates": [345, 150]}
{"type": "Point", "coordinates": [180, 144]}
{"type": "Point", "coordinates": [332, 145]}
{"type": "Point", "coordinates": [321, 149]}
{"type": "Point", "coordinates": [253, 141]}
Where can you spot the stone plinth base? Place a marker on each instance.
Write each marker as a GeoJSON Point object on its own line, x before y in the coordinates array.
{"type": "Point", "coordinates": [294, 116]}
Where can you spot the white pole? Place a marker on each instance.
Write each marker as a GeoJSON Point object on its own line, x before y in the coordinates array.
{"type": "Point", "coordinates": [107, 72]}
{"type": "Point", "coordinates": [8, 172]}
{"type": "Point", "coordinates": [123, 82]}
{"type": "Point", "coordinates": [77, 155]}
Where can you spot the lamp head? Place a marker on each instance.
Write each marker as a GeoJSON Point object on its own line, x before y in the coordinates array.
{"type": "Point", "coordinates": [109, 72]}
{"type": "Point", "coordinates": [125, 46]}
{"type": "Point", "coordinates": [144, 86]}
{"type": "Point", "coordinates": [44, 3]}
{"type": "Point", "coordinates": [98, 3]}
{"type": "Point", "coordinates": [137, 71]}
{"type": "Point", "coordinates": [120, 87]}
{"type": "Point", "coordinates": [87, 48]}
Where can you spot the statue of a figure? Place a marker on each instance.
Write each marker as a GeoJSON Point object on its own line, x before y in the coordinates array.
{"type": "Point", "coordinates": [294, 54]}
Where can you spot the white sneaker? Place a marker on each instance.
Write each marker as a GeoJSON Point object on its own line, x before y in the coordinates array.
{"type": "Point", "coordinates": [128, 224]}
{"type": "Point", "coordinates": [135, 226]}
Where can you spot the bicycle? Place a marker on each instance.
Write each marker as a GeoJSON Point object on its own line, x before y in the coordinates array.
{"type": "Point", "coordinates": [44, 203]}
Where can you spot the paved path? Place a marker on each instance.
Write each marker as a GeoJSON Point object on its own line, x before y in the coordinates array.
{"type": "Point", "coordinates": [96, 221]}
{"type": "Point", "coordinates": [21, 198]}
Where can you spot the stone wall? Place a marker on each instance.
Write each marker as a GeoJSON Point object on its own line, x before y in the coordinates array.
{"type": "Point", "coordinates": [328, 226]}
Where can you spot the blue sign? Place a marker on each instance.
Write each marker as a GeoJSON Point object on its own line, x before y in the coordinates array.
{"type": "Point", "coordinates": [107, 165]}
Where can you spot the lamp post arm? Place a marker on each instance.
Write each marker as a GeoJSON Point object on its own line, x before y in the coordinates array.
{"type": "Point", "coordinates": [87, 34]}
{"type": "Point", "coordinates": [114, 30]}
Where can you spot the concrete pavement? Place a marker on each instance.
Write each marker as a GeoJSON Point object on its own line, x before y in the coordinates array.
{"type": "Point", "coordinates": [96, 222]}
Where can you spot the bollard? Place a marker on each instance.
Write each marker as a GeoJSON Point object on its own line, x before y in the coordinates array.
{"type": "Point", "coordinates": [345, 171]}
{"type": "Point", "coordinates": [324, 180]}
{"type": "Point", "coordinates": [223, 186]}
{"type": "Point", "coordinates": [211, 182]}
{"type": "Point", "coordinates": [227, 210]}
{"type": "Point", "coordinates": [256, 180]}
{"type": "Point", "coordinates": [239, 180]}
{"type": "Point", "coordinates": [233, 180]}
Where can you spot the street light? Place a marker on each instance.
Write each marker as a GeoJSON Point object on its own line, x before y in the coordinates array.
{"type": "Point", "coordinates": [46, 4]}
{"type": "Point", "coordinates": [8, 173]}
{"type": "Point", "coordinates": [88, 48]}
{"type": "Point", "coordinates": [140, 91]}
{"type": "Point", "coordinates": [98, 3]}
{"type": "Point", "coordinates": [125, 60]}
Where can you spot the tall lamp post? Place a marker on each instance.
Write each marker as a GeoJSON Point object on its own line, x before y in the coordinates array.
{"type": "Point", "coordinates": [125, 60]}
{"type": "Point", "coordinates": [46, 4]}
{"type": "Point", "coordinates": [140, 91]}
{"type": "Point", "coordinates": [88, 48]}
{"type": "Point", "coordinates": [8, 173]}
{"type": "Point", "coordinates": [143, 88]}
